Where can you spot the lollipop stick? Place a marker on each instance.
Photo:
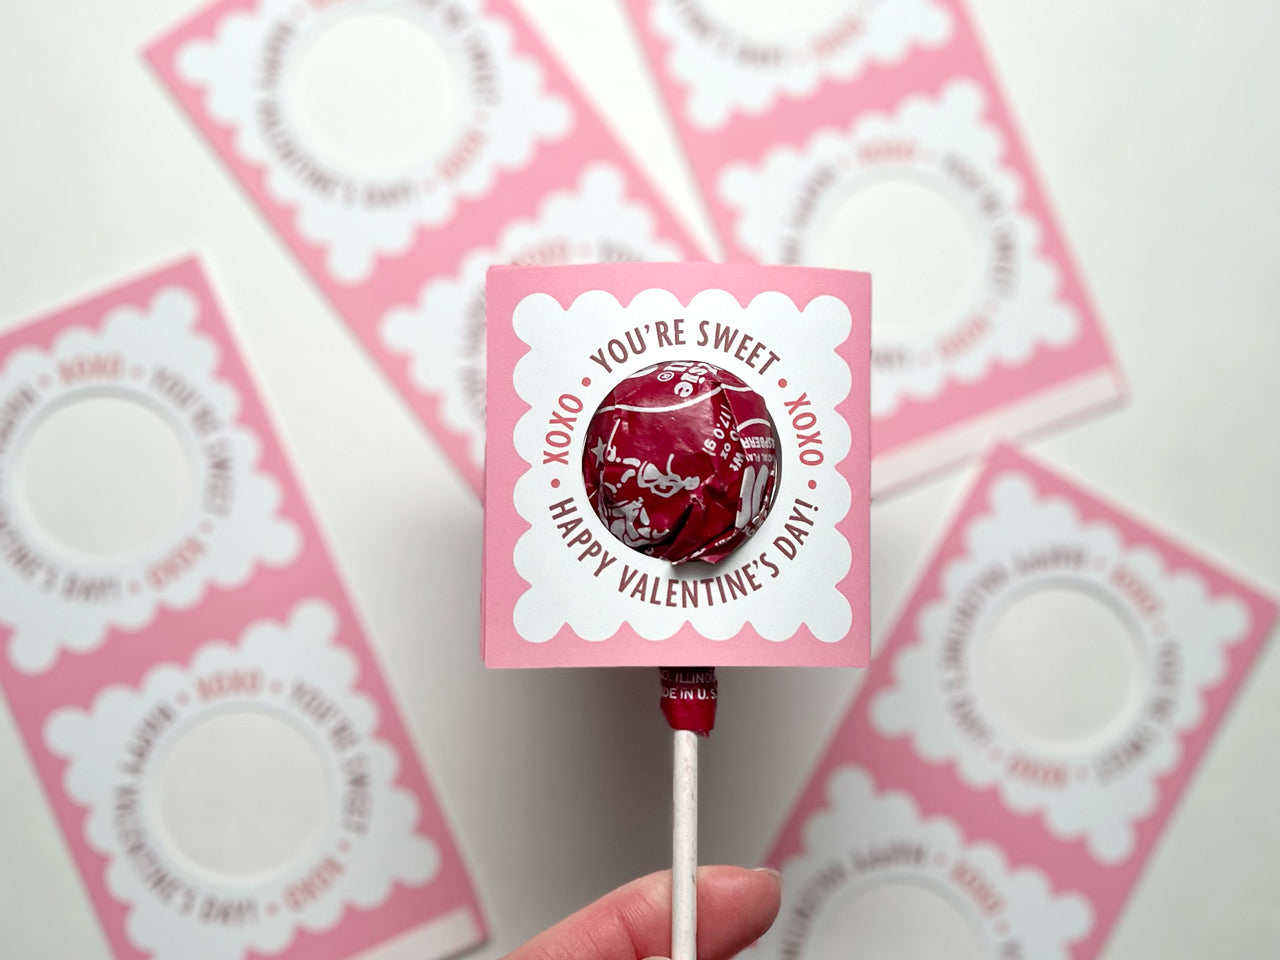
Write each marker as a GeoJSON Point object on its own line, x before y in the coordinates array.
{"type": "Point", "coordinates": [684, 848]}
{"type": "Point", "coordinates": [689, 703]}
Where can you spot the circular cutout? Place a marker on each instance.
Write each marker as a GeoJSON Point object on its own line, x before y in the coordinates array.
{"type": "Point", "coordinates": [105, 475]}
{"type": "Point", "coordinates": [242, 793]}
{"type": "Point", "coordinates": [897, 921]}
{"type": "Point", "coordinates": [914, 243]}
{"type": "Point", "coordinates": [1060, 664]}
{"type": "Point", "coordinates": [769, 19]}
{"type": "Point", "coordinates": [376, 92]}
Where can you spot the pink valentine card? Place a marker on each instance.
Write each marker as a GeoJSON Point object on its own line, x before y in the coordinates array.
{"type": "Point", "coordinates": [871, 134]}
{"type": "Point", "coordinates": [764, 375]}
{"type": "Point", "coordinates": [212, 729]}
{"type": "Point", "coordinates": [479, 150]}
{"type": "Point", "coordinates": [1025, 735]}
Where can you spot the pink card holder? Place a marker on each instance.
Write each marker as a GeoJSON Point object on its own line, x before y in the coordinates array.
{"type": "Point", "coordinates": [212, 729]}
{"type": "Point", "coordinates": [873, 135]}
{"type": "Point", "coordinates": [1025, 735]}
{"type": "Point", "coordinates": [560, 588]}
{"type": "Point", "coordinates": [481, 151]}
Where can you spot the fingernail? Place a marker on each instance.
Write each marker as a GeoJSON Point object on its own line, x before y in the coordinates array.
{"type": "Point", "coordinates": [772, 872]}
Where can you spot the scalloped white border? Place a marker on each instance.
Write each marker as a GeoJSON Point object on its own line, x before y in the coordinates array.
{"type": "Point", "coordinates": [1103, 814]}
{"type": "Point", "coordinates": [442, 335]}
{"type": "Point", "coordinates": [1024, 319]}
{"type": "Point", "coordinates": [561, 592]}
{"type": "Point", "coordinates": [161, 334]}
{"type": "Point", "coordinates": [857, 818]}
{"type": "Point", "coordinates": [354, 237]}
{"type": "Point", "coordinates": [702, 59]}
{"type": "Point", "coordinates": [94, 741]}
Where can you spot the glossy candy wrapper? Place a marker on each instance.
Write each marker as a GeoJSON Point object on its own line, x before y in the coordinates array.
{"type": "Point", "coordinates": [689, 696]}
{"type": "Point", "coordinates": [681, 461]}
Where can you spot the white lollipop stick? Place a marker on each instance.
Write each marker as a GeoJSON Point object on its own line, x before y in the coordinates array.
{"type": "Point", "coordinates": [689, 704]}
{"type": "Point", "coordinates": [684, 848]}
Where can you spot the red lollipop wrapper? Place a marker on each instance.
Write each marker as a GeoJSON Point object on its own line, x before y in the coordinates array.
{"type": "Point", "coordinates": [681, 461]}
{"type": "Point", "coordinates": [689, 698]}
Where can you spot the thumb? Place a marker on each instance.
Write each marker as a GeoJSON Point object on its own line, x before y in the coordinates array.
{"type": "Point", "coordinates": [735, 907]}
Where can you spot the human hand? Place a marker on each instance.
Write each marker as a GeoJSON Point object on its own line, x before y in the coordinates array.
{"type": "Point", "coordinates": [735, 908]}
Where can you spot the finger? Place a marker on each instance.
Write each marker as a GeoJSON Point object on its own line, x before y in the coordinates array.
{"type": "Point", "coordinates": [735, 907]}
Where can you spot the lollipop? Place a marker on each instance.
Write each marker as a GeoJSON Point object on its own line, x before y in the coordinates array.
{"type": "Point", "coordinates": [708, 508]}
{"type": "Point", "coordinates": [681, 461]}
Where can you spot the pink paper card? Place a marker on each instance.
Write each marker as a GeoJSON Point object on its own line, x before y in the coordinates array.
{"type": "Point", "coordinates": [559, 588]}
{"type": "Point", "coordinates": [1025, 735]}
{"type": "Point", "coordinates": [479, 150]}
{"type": "Point", "coordinates": [872, 134]}
{"type": "Point", "coordinates": [212, 729]}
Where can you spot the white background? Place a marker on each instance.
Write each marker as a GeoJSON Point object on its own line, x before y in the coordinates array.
{"type": "Point", "coordinates": [1155, 128]}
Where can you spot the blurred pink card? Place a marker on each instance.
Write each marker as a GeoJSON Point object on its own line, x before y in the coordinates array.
{"type": "Point", "coordinates": [480, 150]}
{"type": "Point", "coordinates": [560, 589]}
{"type": "Point", "coordinates": [871, 134]}
{"type": "Point", "coordinates": [1023, 739]}
{"type": "Point", "coordinates": [212, 729]}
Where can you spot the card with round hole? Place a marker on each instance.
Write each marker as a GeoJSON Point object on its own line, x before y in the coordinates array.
{"type": "Point", "coordinates": [872, 134]}
{"type": "Point", "coordinates": [1050, 687]}
{"type": "Point", "coordinates": [566, 586]}
{"type": "Point", "coordinates": [212, 729]}
{"type": "Point", "coordinates": [872, 873]}
{"type": "Point", "coordinates": [400, 147]}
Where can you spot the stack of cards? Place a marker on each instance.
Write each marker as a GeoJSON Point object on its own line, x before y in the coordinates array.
{"type": "Point", "coordinates": [1018, 778]}
{"type": "Point", "coordinates": [214, 734]}
{"type": "Point", "coordinates": [872, 135]}
{"type": "Point", "coordinates": [481, 151]}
